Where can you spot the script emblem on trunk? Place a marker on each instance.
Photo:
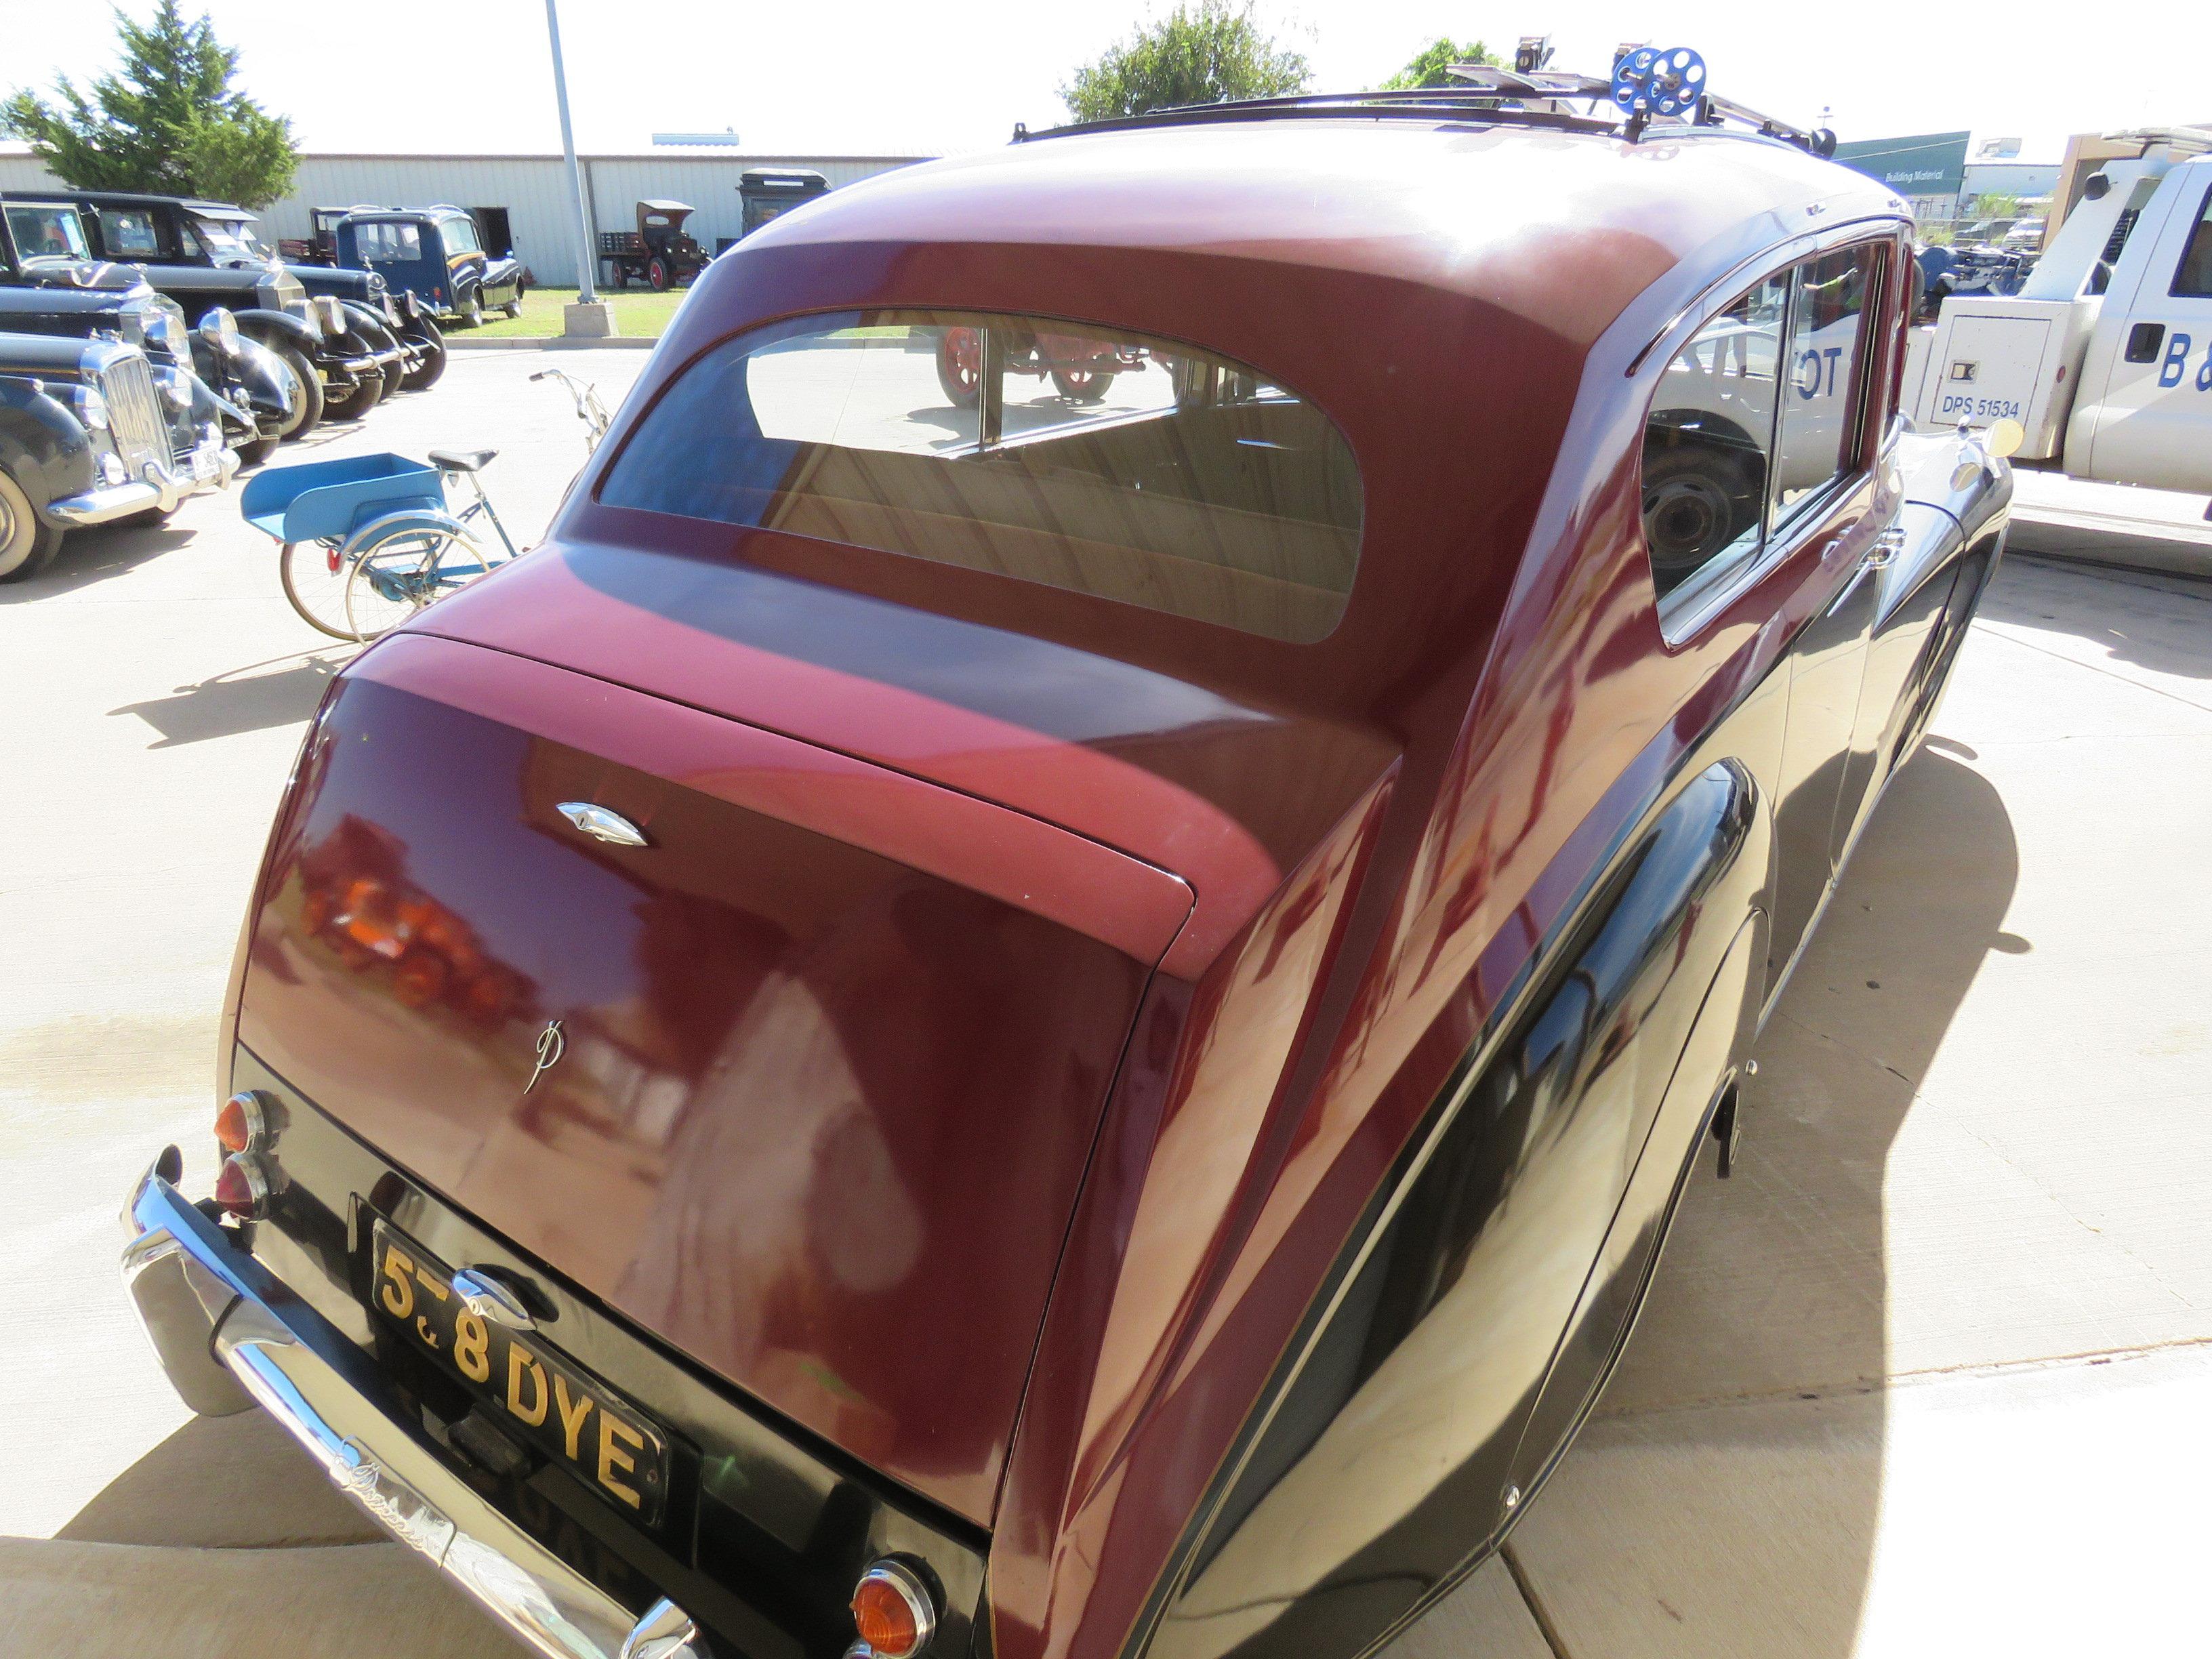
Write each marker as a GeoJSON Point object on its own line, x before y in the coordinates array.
{"type": "Point", "coordinates": [552, 1045]}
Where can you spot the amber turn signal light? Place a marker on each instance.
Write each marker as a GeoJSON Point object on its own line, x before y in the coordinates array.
{"type": "Point", "coordinates": [242, 1186]}
{"type": "Point", "coordinates": [893, 1610]}
{"type": "Point", "coordinates": [241, 1125]}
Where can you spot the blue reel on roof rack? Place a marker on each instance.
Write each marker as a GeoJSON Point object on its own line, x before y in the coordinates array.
{"type": "Point", "coordinates": [1646, 81]}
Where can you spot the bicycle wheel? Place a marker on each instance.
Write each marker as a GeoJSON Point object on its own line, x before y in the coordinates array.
{"type": "Point", "coordinates": [313, 577]}
{"type": "Point", "coordinates": [392, 574]}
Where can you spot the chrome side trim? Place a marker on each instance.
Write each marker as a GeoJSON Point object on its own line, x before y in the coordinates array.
{"type": "Point", "coordinates": [331, 1398]}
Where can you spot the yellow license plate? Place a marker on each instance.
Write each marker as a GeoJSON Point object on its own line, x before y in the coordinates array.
{"type": "Point", "coordinates": [529, 1388]}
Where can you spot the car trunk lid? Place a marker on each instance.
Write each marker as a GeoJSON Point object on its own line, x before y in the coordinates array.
{"type": "Point", "coordinates": [830, 1046]}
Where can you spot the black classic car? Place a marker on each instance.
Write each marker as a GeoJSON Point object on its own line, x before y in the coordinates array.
{"type": "Point", "coordinates": [128, 225]}
{"type": "Point", "coordinates": [92, 432]}
{"type": "Point", "coordinates": [254, 395]}
{"type": "Point", "coordinates": [337, 358]}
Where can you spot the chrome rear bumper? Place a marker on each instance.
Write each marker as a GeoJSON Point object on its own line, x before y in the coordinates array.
{"type": "Point", "coordinates": [230, 1335]}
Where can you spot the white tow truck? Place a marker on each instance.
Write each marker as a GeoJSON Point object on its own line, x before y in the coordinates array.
{"type": "Point", "coordinates": [2104, 356]}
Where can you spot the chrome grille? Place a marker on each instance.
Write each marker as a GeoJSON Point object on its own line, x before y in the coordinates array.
{"type": "Point", "coordinates": [134, 412]}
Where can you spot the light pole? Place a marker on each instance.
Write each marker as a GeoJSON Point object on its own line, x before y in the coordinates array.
{"type": "Point", "coordinates": [589, 315]}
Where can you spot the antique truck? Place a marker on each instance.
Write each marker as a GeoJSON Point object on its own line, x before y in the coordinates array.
{"type": "Point", "coordinates": [92, 432]}
{"type": "Point", "coordinates": [339, 360]}
{"type": "Point", "coordinates": [1063, 1030]}
{"type": "Point", "coordinates": [659, 252]}
{"type": "Point", "coordinates": [126, 225]}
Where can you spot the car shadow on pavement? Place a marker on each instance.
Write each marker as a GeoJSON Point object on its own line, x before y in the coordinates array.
{"type": "Point", "coordinates": [94, 555]}
{"type": "Point", "coordinates": [1725, 1498]}
{"type": "Point", "coordinates": [238, 700]}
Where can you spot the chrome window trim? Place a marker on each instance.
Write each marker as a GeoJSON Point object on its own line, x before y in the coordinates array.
{"type": "Point", "coordinates": [1692, 605]}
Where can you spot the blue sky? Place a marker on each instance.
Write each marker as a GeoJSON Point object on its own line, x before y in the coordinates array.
{"type": "Point", "coordinates": [861, 76]}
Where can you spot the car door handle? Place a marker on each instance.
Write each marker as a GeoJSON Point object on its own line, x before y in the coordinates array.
{"type": "Point", "coordinates": [2144, 342]}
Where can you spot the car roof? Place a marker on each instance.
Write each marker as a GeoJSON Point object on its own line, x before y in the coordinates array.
{"type": "Point", "coordinates": [149, 199]}
{"type": "Point", "coordinates": [1439, 289]}
{"type": "Point", "coordinates": [1429, 202]}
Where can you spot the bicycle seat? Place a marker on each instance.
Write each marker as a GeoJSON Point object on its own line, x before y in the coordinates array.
{"type": "Point", "coordinates": [462, 460]}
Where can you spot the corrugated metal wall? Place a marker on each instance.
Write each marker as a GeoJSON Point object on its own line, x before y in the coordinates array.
{"type": "Point", "coordinates": [533, 188]}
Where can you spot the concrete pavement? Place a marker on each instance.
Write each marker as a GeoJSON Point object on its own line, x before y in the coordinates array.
{"type": "Point", "coordinates": [1928, 1376]}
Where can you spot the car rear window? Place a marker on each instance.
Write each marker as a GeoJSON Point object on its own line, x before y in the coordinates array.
{"type": "Point", "coordinates": [1135, 469]}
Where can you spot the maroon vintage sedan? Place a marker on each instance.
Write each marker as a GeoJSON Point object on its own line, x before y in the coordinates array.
{"type": "Point", "coordinates": [1062, 1023]}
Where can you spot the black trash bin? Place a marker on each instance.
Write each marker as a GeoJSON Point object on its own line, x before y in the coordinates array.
{"type": "Point", "coordinates": [769, 191]}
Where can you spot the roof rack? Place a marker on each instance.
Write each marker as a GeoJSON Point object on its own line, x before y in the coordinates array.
{"type": "Point", "coordinates": [1648, 90]}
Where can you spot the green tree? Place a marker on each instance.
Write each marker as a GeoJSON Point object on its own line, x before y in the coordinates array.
{"type": "Point", "coordinates": [167, 121]}
{"type": "Point", "coordinates": [1429, 67]}
{"type": "Point", "coordinates": [1197, 54]}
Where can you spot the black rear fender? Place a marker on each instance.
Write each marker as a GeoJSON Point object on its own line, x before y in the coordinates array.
{"type": "Point", "coordinates": [1378, 1466]}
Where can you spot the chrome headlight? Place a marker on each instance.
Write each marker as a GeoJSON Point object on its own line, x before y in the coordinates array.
{"type": "Point", "coordinates": [330, 313]}
{"type": "Point", "coordinates": [176, 386]}
{"type": "Point", "coordinates": [219, 330]}
{"type": "Point", "coordinates": [390, 310]}
{"type": "Point", "coordinates": [163, 335]}
{"type": "Point", "coordinates": [91, 408]}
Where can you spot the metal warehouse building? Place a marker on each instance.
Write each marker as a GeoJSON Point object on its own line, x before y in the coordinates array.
{"type": "Point", "coordinates": [527, 194]}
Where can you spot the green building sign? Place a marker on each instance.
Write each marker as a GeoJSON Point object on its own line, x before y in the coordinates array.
{"type": "Point", "coordinates": [1921, 164]}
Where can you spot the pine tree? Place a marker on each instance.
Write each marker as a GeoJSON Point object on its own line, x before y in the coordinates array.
{"type": "Point", "coordinates": [167, 122]}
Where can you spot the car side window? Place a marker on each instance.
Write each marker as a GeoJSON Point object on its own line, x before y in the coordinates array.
{"type": "Point", "coordinates": [1709, 440]}
{"type": "Point", "coordinates": [129, 232]}
{"type": "Point", "coordinates": [1754, 420]}
{"type": "Point", "coordinates": [2192, 279]}
{"type": "Point", "coordinates": [389, 241]}
{"type": "Point", "coordinates": [1821, 374]}
{"type": "Point", "coordinates": [460, 236]}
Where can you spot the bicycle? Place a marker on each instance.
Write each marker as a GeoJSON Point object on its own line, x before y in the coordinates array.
{"type": "Point", "coordinates": [370, 540]}
{"type": "Point", "coordinates": [589, 410]}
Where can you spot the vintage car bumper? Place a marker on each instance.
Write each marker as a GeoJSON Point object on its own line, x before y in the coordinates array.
{"type": "Point", "coordinates": [211, 465]}
{"type": "Point", "coordinates": [230, 1335]}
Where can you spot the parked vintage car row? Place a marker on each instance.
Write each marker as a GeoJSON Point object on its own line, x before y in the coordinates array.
{"type": "Point", "coordinates": [345, 340]}
{"type": "Point", "coordinates": [103, 290]}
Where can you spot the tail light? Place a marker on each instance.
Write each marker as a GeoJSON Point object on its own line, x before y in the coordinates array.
{"type": "Point", "coordinates": [242, 1187]}
{"type": "Point", "coordinates": [893, 1610]}
{"type": "Point", "coordinates": [241, 1124]}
